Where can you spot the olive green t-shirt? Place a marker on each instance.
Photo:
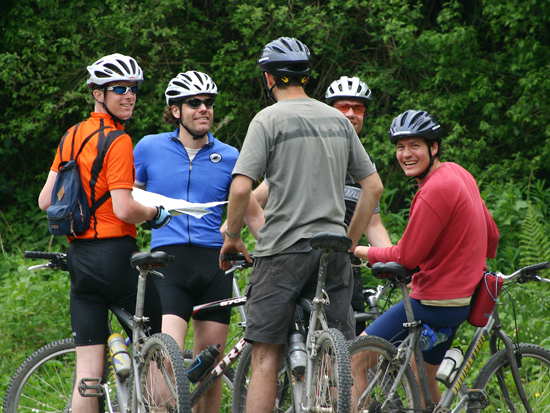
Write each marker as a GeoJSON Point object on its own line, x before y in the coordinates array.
{"type": "Point", "coordinates": [305, 148]}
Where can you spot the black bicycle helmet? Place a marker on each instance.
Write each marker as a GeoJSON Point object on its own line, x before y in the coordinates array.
{"type": "Point", "coordinates": [414, 123]}
{"type": "Point", "coordinates": [417, 123]}
{"type": "Point", "coordinates": [286, 57]}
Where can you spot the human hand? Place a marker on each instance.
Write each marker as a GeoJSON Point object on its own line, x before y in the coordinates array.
{"type": "Point", "coordinates": [233, 246]}
{"type": "Point", "coordinates": [161, 218]}
{"type": "Point", "coordinates": [362, 252]}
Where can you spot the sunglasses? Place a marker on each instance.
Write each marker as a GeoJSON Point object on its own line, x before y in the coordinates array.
{"type": "Point", "coordinates": [196, 103]}
{"type": "Point", "coordinates": [122, 90]}
{"type": "Point", "coordinates": [357, 109]}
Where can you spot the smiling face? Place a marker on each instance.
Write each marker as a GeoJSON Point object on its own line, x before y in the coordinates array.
{"type": "Point", "coordinates": [121, 106]}
{"type": "Point", "coordinates": [412, 155]}
{"type": "Point", "coordinates": [199, 120]}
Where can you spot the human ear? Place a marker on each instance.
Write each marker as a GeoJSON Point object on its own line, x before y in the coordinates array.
{"type": "Point", "coordinates": [98, 95]}
{"type": "Point", "coordinates": [176, 111]}
{"type": "Point", "coordinates": [434, 148]}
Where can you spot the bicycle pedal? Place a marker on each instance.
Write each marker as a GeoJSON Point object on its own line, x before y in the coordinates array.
{"type": "Point", "coordinates": [84, 386]}
{"type": "Point", "coordinates": [477, 399]}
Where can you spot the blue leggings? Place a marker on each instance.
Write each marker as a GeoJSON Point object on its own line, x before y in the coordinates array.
{"type": "Point", "coordinates": [390, 325]}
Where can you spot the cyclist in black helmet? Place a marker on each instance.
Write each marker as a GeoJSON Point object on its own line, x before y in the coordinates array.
{"type": "Point", "coordinates": [304, 147]}
{"type": "Point", "coordinates": [350, 95]}
{"type": "Point", "coordinates": [449, 235]}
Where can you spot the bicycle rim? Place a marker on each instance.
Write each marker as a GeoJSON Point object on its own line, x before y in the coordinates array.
{"type": "Point", "coordinates": [331, 380]}
{"type": "Point", "coordinates": [534, 369]}
{"type": "Point", "coordinates": [163, 379]}
{"type": "Point", "coordinates": [374, 369]}
{"type": "Point", "coordinates": [44, 382]}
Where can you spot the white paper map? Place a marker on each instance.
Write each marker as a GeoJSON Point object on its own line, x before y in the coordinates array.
{"type": "Point", "coordinates": [174, 206]}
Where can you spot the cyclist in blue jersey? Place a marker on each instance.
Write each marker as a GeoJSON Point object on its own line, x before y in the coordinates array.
{"type": "Point", "coordinates": [189, 163]}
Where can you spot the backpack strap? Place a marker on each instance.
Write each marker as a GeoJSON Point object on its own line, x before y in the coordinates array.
{"type": "Point", "coordinates": [72, 143]}
{"type": "Point", "coordinates": [103, 145]}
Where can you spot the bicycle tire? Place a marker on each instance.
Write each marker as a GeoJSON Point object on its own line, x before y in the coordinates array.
{"type": "Point", "coordinates": [158, 350]}
{"type": "Point", "coordinates": [331, 381]}
{"type": "Point", "coordinates": [283, 401]}
{"type": "Point", "coordinates": [373, 361]}
{"type": "Point", "coordinates": [44, 382]}
{"type": "Point", "coordinates": [535, 376]}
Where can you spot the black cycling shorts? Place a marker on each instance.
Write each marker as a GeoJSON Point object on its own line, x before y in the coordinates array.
{"type": "Point", "coordinates": [194, 278]}
{"type": "Point", "coordinates": [100, 275]}
{"type": "Point", "coordinates": [278, 280]}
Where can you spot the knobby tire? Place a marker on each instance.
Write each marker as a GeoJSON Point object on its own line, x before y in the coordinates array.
{"type": "Point", "coordinates": [331, 380]}
{"type": "Point", "coordinates": [44, 381]}
{"type": "Point", "coordinates": [373, 363]}
{"type": "Point", "coordinates": [534, 369]}
{"type": "Point", "coordinates": [163, 378]}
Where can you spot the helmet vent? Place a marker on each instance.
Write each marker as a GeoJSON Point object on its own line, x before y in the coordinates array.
{"type": "Point", "coordinates": [124, 65]}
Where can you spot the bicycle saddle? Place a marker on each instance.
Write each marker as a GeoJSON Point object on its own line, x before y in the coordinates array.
{"type": "Point", "coordinates": [393, 271]}
{"type": "Point", "coordinates": [155, 259]}
{"type": "Point", "coordinates": [328, 241]}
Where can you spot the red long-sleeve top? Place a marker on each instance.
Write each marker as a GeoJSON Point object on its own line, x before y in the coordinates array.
{"type": "Point", "coordinates": [449, 236]}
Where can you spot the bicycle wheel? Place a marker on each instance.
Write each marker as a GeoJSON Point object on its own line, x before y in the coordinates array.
{"type": "Point", "coordinates": [283, 401]}
{"type": "Point", "coordinates": [163, 379]}
{"type": "Point", "coordinates": [374, 369]}
{"type": "Point", "coordinates": [331, 380]}
{"type": "Point", "coordinates": [534, 368]}
{"type": "Point", "coordinates": [44, 382]}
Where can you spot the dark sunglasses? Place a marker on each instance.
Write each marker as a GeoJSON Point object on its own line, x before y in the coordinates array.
{"type": "Point", "coordinates": [196, 103]}
{"type": "Point", "coordinates": [357, 109]}
{"type": "Point", "coordinates": [122, 90]}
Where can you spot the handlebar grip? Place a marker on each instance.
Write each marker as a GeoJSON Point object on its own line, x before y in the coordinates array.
{"type": "Point", "coordinates": [43, 255]}
{"type": "Point", "coordinates": [233, 257]}
{"type": "Point", "coordinates": [535, 267]}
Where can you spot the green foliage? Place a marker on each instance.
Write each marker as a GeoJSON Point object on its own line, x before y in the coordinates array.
{"type": "Point", "coordinates": [535, 246]}
{"type": "Point", "coordinates": [480, 66]}
{"type": "Point", "coordinates": [35, 311]}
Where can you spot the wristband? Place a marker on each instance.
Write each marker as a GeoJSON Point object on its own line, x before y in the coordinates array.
{"type": "Point", "coordinates": [230, 235]}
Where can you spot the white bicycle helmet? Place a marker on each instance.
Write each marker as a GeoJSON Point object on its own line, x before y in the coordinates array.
{"type": "Point", "coordinates": [114, 68]}
{"type": "Point", "coordinates": [190, 83]}
{"type": "Point", "coordinates": [348, 87]}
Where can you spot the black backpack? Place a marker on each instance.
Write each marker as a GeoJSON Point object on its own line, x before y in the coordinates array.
{"type": "Point", "coordinates": [69, 212]}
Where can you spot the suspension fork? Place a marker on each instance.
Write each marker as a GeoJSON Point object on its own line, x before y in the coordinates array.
{"type": "Point", "coordinates": [514, 357]}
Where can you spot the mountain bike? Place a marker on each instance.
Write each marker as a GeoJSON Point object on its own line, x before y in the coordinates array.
{"type": "Point", "coordinates": [516, 378]}
{"type": "Point", "coordinates": [157, 380]}
{"type": "Point", "coordinates": [324, 383]}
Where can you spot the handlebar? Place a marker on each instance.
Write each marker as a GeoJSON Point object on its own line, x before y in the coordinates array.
{"type": "Point", "coordinates": [57, 259]}
{"type": "Point", "coordinates": [240, 261]}
{"type": "Point", "coordinates": [528, 273]}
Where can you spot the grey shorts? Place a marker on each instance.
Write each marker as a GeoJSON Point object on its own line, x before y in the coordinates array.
{"type": "Point", "coordinates": [276, 283]}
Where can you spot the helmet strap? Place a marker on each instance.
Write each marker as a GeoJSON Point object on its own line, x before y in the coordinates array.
{"type": "Point", "coordinates": [268, 90]}
{"type": "Point", "coordinates": [115, 118]}
{"type": "Point", "coordinates": [427, 170]}
{"type": "Point", "coordinates": [195, 137]}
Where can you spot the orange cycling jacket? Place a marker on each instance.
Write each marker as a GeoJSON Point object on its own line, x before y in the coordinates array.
{"type": "Point", "coordinates": [106, 162]}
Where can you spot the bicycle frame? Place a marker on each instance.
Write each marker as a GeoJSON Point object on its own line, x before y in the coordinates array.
{"type": "Point", "coordinates": [231, 356]}
{"type": "Point", "coordinates": [137, 324]}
